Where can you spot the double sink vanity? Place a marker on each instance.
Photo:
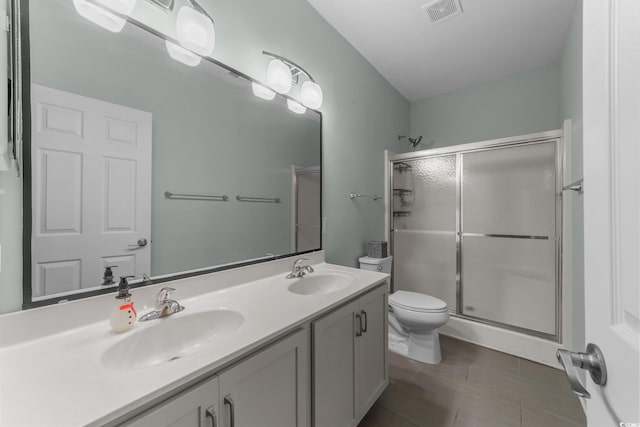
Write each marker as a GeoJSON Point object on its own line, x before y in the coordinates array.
{"type": "Point", "coordinates": [251, 348]}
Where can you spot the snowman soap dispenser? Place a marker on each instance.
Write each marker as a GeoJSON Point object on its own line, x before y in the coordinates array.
{"type": "Point", "coordinates": [124, 314]}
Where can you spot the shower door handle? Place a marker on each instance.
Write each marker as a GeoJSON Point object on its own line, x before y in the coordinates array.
{"type": "Point", "coordinates": [592, 361]}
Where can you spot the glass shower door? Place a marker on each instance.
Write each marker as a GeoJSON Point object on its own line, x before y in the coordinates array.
{"type": "Point", "coordinates": [424, 226]}
{"type": "Point", "coordinates": [509, 230]}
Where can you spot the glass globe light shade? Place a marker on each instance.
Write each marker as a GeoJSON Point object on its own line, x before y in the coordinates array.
{"type": "Point", "coordinates": [311, 94]}
{"type": "Point", "coordinates": [194, 31]}
{"type": "Point", "coordinates": [279, 76]}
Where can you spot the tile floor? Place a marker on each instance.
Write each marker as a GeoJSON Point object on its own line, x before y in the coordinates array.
{"type": "Point", "coordinates": [474, 387]}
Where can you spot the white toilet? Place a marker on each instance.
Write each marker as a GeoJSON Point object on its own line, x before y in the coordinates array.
{"type": "Point", "coordinates": [414, 319]}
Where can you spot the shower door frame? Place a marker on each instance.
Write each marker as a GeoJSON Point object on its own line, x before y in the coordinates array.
{"type": "Point", "coordinates": [555, 136]}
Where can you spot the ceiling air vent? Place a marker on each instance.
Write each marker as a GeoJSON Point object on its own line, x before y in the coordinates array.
{"type": "Point", "coordinates": [441, 10]}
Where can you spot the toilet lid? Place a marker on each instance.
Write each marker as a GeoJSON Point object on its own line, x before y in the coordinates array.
{"type": "Point", "coordinates": [416, 301]}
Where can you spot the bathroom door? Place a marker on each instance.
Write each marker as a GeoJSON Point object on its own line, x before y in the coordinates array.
{"type": "Point", "coordinates": [611, 65]}
{"type": "Point", "coordinates": [306, 206]}
{"type": "Point", "coordinates": [92, 202]}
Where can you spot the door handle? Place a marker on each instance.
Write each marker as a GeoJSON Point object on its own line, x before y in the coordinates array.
{"type": "Point", "coordinates": [359, 331]}
{"type": "Point", "coordinates": [210, 412]}
{"type": "Point", "coordinates": [140, 243]}
{"type": "Point", "coordinates": [232, 409]}
{"type": "Point", "coordinates": [592, 361]}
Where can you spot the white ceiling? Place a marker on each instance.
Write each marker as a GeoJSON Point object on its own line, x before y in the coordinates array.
{"type": "Point", "coordinates": [489, 40]}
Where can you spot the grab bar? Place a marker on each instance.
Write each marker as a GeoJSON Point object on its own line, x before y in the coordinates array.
{"type": "Point", "coordinates": [258, 199]}
{"type": "Point", "coordinates": [183, 196]}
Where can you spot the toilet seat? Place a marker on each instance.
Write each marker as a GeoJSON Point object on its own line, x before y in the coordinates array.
{"type": "Point", "coordinates": [414, 301]}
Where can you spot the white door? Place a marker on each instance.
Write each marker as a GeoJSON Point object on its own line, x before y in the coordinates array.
{"type": "Point", "coordinates": [91, 199]}
{"type": "Point", "coordinates": [611, 204]}
{"type": "Point", "coordinates": [306, 210]}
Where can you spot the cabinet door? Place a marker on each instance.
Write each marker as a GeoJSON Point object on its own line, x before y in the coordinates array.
{"type": "Point", "coordinates": [197, 407]}
{"type": "Point", "coordinates": [373, 375]}
{"type": "Point", "coordinates": [334, 372]}
{"type": "Point", "coordinates": [270, 388]}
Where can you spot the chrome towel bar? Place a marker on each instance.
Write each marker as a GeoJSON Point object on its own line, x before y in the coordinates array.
{"type": "Point", "coordinates": [374, 197]}
{"type": "Point", "coordinates": [258, 199]}
{"type": "Point", "coordinates": [182, 196]}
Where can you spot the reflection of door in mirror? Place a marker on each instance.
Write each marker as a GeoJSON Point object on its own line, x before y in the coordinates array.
{"type": "Point", "coordinates": [306, 188]}
{"type": "Point", "coordinates": [84, 221]}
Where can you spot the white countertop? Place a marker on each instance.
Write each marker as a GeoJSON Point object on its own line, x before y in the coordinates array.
{"type": "Point", "coordinates": [59, 380]}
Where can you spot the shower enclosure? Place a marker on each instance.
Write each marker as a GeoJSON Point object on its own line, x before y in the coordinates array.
{"type": "Point", "coordinates": [479, 226]}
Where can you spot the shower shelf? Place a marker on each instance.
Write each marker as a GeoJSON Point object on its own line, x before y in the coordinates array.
{"type": "Point", "coordinates": [401, 213]}
{"type": "Point", "coordinates": [402, 192]}
{"type": "Point", "coordinates": [401, 167]}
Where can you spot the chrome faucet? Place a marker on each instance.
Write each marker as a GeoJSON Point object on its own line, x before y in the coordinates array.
{"type": "Point", "coordinates": [165, 306]}
{"type": "Point", "coordinates": [298, 270]}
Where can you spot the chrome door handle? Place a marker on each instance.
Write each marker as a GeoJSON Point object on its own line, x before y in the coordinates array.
{"type": "Point", "coordinates": [364, 316]}
{"type": "Point", "coordinates": [140, 243]}
{"type": "Point", "coordinates": [210, 412]}
{"type": "Point", "coordinates": [592, 361]}
{"type": "Point", "coordinates": [232, 409]}
{"type": "Point", "coordinates": [359, 331]}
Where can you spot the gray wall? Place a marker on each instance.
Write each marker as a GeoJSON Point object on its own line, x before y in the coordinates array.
{"type": "Point", "coordinates": [571, 67]}
{"type": "Point", "coordinates": [522, 103]}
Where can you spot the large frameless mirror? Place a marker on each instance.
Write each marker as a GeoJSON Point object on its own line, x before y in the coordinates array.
{"type": "Point", "coordinates": [140, 162]}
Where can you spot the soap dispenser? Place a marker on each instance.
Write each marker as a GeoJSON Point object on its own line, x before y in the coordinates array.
{"type": "Point", "coordinates": [124, 314]}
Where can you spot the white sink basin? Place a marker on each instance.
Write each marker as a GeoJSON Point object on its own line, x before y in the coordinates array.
{"type": "Point", "coordinates": [171, 338]}
{"type": "Point", "coordinates": [321, 283]}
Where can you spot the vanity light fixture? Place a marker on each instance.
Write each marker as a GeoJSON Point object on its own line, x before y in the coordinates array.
{"type": "Point", "coordinates": [93, 12]}
{"type": "Point", "coordinates": [194, 26]}
{"type": "Point", "coordinates": [283, 73]}
{"type": "Point", "coordinates": [181, 54]}
{"type": "Point", "coordinates": [262, 92]}
{"type": "Point", "coordinates": [296, 107]}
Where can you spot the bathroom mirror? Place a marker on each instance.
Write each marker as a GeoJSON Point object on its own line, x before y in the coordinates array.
{"type": "Point", "coordinates": [135, 160]}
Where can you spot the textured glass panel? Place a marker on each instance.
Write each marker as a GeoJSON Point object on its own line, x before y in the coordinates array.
{"type": "Point", "coordinates": [425, 194]}
{"type": "Point", "coordinates": [510, 281]}
{"type": "Point", "coordinates": [510, 191]}
{"type": "Point", "coordinates": [426, 262]}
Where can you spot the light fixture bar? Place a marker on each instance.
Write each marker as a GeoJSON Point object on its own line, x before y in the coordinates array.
{"type": "Point", "coordinates": [165, 5]}
{"type": "Point", "coordinates": [296, 70]}
{"type": "Point", "coordinates": [200, 9]}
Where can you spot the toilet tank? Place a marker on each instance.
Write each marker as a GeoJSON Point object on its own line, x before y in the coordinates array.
{"type": "Point", "coordinates": [382, 265]}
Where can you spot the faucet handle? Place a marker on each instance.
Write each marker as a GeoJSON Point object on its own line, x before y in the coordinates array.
{"type": "Point", "coordinates": [164, 295]}
{"type": "Point", "coordinates": [298, 261]}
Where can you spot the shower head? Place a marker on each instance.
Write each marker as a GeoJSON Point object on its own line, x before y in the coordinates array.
{"type": "Point", "coordinates": [412, 141]}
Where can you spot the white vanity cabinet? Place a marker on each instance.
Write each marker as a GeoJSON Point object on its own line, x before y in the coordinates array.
{"type": "Point", "coordinates": [196, 407]}
{"type": "Point", "coordinates": [270, 388]}
{"type": "Point", "coordinates": [350, 360]}
{"type": "Point", "coordinates": [267, 389]}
